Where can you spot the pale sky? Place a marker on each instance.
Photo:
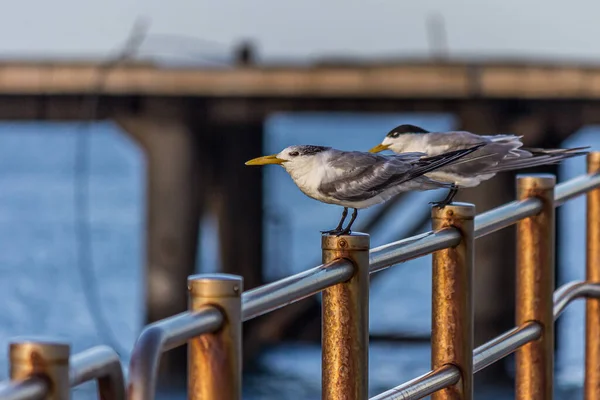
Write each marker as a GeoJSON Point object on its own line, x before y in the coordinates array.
{"type": "Point", "coordinates": [307, 28]}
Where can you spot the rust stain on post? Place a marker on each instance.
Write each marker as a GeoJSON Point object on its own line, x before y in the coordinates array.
{"type": "Point", "coordinates": [592, 322]}
{"type": "Point", "coordinates": [452, 301]}
{"type": "Point", "coordinates": [535, 286]}
{"type": "Point", "coordinates": [345, 328]}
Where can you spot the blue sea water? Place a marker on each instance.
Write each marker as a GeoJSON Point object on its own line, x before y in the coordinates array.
{"type": "Point", "coordinates": [42, 288]}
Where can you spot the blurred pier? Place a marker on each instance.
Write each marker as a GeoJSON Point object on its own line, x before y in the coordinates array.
{"type": "Point", "coordinates": [198, 127]}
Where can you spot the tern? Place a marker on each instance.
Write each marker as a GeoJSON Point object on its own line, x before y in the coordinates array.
{"type": "Point", "coordinates": [358, 180]}
{"type": "Point", "coordinates": [500, 153]}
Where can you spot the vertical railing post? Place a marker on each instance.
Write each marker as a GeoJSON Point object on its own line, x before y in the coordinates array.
{"type": "Point", "coordinates": [345, 327]}
{"type": "Point", "coordinates": [452, 300]}
{"type": "Point", "coordinates": [215, 359]}
{"type": "Point", "coordinates": [592, 321]}
{"type": "Point", "coordinates": [42, 357]}
{"type": "Point", "coordinates": [535, 286]}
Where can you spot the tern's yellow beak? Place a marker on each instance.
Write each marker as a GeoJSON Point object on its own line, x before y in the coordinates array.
{"type": "Point", "coordinates": [379, 147]}
{"type": "Point", "coordinates": [272, 159]}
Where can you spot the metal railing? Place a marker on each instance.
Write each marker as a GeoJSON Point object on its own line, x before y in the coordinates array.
{"type": "Point", "coordinates": [42, 369]}
{"type": "Point", "coordinates": [218, 307]}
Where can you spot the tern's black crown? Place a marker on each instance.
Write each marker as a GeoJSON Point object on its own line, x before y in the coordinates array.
{"type": "Point", "coordinates": [406, 128]}
{"type": "Point", "coordinates": [310, 149]}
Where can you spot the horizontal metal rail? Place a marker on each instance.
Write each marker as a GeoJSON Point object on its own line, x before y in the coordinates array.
{"type": "Point", "coordinates": [501, 346]}
{"type": "Point", "coordinates": [491, 221]}
{"type": "Point", "coordinates": [492, 351]}
{"type": "Point", "coordinates": [572, 291]}
{"type": "Point", "coordinates": [575, 187]}
{"type": "Point", "coordinates": [177, 330]}
{"type": "Point", "coordinates": [100, 363]}
{"type": "Point", "coordinates": [407, 249]}
{"type": "Point", "coordinates": [103, 365]}
{"type": "Point", "coordinates": [30, 389]}
{"type": "Point", "coordinates": [163, 336]}
{"type": "Point", "coordinates": [423, 385]}
{"type": "Point", "coordinates": [506, 215]}
{"type": "Point", "coordinates": [272, 296]}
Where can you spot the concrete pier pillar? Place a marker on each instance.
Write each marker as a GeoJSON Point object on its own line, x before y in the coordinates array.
{"type": "Point", "coordinates": [236, 197]}
{"type": "Point", "coordinates": [236, 192]}
{"type": "Point", "coordinates": [494, 254]}
{"type": "Point", "coordinates": [238, 201]}
{"type": "Point", "coordinates": [195, 163]}
{"type": "Point", "coordinates": [172, 218]}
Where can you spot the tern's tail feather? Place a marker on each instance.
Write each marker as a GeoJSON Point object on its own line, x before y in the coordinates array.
{"type": "Point", "coordinates": [535, 157]}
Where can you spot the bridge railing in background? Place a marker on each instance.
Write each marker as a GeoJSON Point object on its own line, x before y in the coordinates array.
{"type": "Point", "coordinates": [218, 307]}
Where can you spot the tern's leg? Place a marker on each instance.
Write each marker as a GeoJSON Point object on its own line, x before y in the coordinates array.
{"type": "Point", "coordinates": [347, 230]}
{"type": "Point", "coordinates": [441, 204]}
{"type": "Point", "coordinates": [338, 229]}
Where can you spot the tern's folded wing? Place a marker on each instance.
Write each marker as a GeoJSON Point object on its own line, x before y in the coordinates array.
{"type": "Point", "coordinates": [364, 175]}
{"type": "Point", "coordinates": [497, 149]}
{"type": "Point", "coordinates": [453, 140]}
{"type": "Point", "coordinates": [357, 175]}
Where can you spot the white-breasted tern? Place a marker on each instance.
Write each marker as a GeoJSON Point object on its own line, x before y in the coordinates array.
{"type": "Point", "coordinates": [358, 180]}
{"type": "Point", "coordinates": [500, 153]}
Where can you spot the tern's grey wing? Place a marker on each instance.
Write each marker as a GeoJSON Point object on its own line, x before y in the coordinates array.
{"type": "Point", "coordinates": [350, 161]}
{"type": "Point", "coordinates": [456, 140]}
{"type": "Point", "coordinates": [429, 164]}
{"type": "Point", "coordinates": [353, 166]}
{"type": "Point", "coordinates": [453, 140]}
{"type": "Point", "coordinates": [496, 149]}
{"type": "Point", "coordinates": [354, 169]}
{"type": "Point", "coordinates": [361, 175]}
{"type": "Point", "coordinates": [365, 175]}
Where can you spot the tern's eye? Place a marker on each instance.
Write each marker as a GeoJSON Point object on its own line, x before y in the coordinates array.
{"type": "Point", "coordinates": [294, 154]}
{"type": "Point", "coordinates": [395, 134]}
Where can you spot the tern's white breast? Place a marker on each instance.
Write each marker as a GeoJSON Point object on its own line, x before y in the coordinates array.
{"type": "Point", "coordinates": [308, 173]}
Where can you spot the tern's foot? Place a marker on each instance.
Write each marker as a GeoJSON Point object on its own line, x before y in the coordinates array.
{"type": "Point", "coordinates": [332, 231]}
{"type": "Point", "coordinates": [448, 200]}
{"type": "Point", "coordinates": [345, 231]}
{"type": "Point", "coordinates": [440, 204]}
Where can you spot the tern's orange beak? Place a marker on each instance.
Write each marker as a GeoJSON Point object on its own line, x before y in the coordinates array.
{"type": "Point", "coordinates": [379, 147]}
{"type": "Point", "coordinates": [272, 159]}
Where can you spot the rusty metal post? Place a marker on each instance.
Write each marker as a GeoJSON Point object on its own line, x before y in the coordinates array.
{"type": "Point", "coordinates": [592, 320]}
{"type": "Point", "coordinates": [345, 327]}
{"type": "Point", "coordinates": [452, 300]}
{"type": "Point", "coordinates": [535, 286]}
{"type": "Point", "coordinates": [42, 357]}
{"type": "Point", "coordinates": [215, 359]}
